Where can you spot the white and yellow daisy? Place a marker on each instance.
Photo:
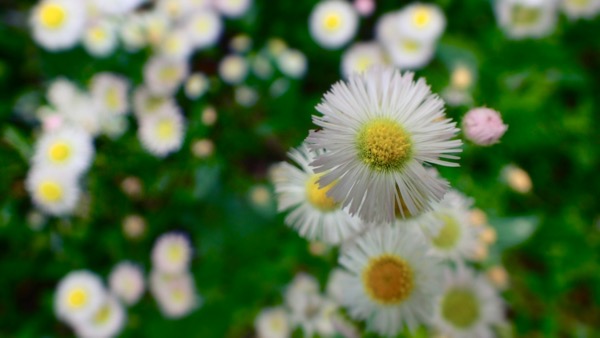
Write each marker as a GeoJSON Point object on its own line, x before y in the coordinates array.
{"type": "Point", "coordinates": [173, 9]}
{"type": "Point", "coordinates": [204, 28]}
{"type": "Point", "coordinates": [273, 323]}
{"type": "Point", "coordinates": [361, 56]}
{"type": "Point", "coordinates": [299, 291]}
{"type": "Point", "coordinates": [241, 43]}
{"type": "Point", "coordinates": [313, 213]}
{"type": "Point", "coordinates": [84, 112]}
{"type": "Point", "coordinates": [171, 253]}
{"type": "Point", "coordinates": [155, 25]}
{"type": "Point", "coordinates": [233, 69]}
{"type": "Point", "coordinates": [292, 63]}
{"type": "Point", "coordinates": [393, 281]}
{"type": "Point", "coordinates": [100, 39]}
{"type": "Point", "coordinates": [176, 45]}
{"type": "Point", "coordinates": [53, 191]}
{"type": "Point", "coordinates": [163, 76]}
{"type": "Point", "coordinates": [61, 92]}
{"type": "Point", "coordinates": [333, 23]}
{"type": "Point", "coordinates": [526, 18]}
{"type": "Point", "coordinates": [107, 321]}
{"type": "Point", "coordinates": [163, 132]}
{"type": "Point", "coordinates": [233, 8]}
{"type": "Point", "coordinates": [58, 24]}
{"type": "Point", "coordinates": [126, 281]}
{"type": "Point", "coordinates": [68, 149]}
{"type": "Point", "coordinates": [175, 294]}
{"type": "Point", "coordinates": [580, 9]}
{"type": "Point", "coordinates": [378, 130]}
{"type": "Point", "coordinates": [117, 7]}
{"type": "Point", "coordinates": [132, 32]}
{"type": "Point", "coordinates": [79, 295]}
{"type": "Point", "coordinates": [196, 86]}
{"type": "Point", "coordinates": [468, 306]}
{"type": "Point", "coordinates": [145, 103]}
{"type": "Point", "coordinates": [421, 22]}
{"type": "Point", "coordinates": [110, 92]}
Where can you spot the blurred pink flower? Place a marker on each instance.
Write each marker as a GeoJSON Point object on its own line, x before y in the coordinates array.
{"type": "Point", "coordinates": [364, 7]}
{"type": "Point", "coordinates": [483, 126]}
{"type": "Point", "coordinates": [52, 122]}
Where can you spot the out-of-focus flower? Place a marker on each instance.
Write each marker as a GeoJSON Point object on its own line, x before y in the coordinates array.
{"type": "Point", "coordinates": [145, 103]}
{"type": "Point", "coordinates": [241, 43]}
{"type": "Point", "coordinates": [272, 323]}
{"type": "Point", "coordinates": [132, 186]}
{"type": "Point", "coordinates": [58, 24]}
{"type": "Point", "coordinates": [162, 133]}
{"type": "Point", "coordinates": [580, 9]}
{"type": "Point", "coordinates": [477, 217]}
{"type": "Point", "coordinates": [171, 253]}
{"type": "Point", "coordinates": [134, 226]}
{"type": "Point", "coordinates": [126, 281]}
{"type": "Point", "coordinates": [333, 23]}
{"type": "Point", "coordinates": [203, 148]}
{"type": "Point", "coordinates": [176, 45]}
{"type": "Point", "coordinates": [360, 57]}
{"type": "Point", "coordinates": [483, 126]}
{"type": "Point", "coordinates": [517, 179]}
{"type": "Point", "coordinates": [209, 116]}
{"type": "Point", "coordinates": [68, 149]}
{"type": "Point", "coordinates": [232, 8]}
{"type": "Point", "coordinates": [421, 22]}
{"type": "Point", "coordinates": [79, 295]}
{"type": "Point", "coordinates": [204, 28]}
{"type": "Point", "coordinates": [233, 69]}
{"type": "Point", "coordinates": [175, 294]}
{"type": "Point", "coordinates": [107, 321]}
{"type": "Point", "coordinates": [110, 93]}
{"type": "Point", "coordinates": [498, 277]}
{"type": "Point", "coordinates": [164, 76]}
{"type": "Point", "coordinates": [336, 285]}
{"type": "Point", "coordinates": [261, 66]}
{"type": "Point", "coordinates": [53, 191]}
{"type": "Point", "coordinates": [364, 7]}
{"type": "Point", "coordinates": [101, 39]}
{"type": "Point", "coordinates": [488, 235]}
{"type": "Point", "coordinates": [117, 7]}
{"type": "Point", "coordinates": [292, 63]}
{"type": "Point", "coordinates": [526, 18]}
{"type": "Point", "coordinates": [196, 86]}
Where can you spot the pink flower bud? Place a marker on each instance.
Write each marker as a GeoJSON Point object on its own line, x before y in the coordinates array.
{"type": "Point", "coordinates": [483, 126]}
{"type": "Point", "coordinates": [364, 7]}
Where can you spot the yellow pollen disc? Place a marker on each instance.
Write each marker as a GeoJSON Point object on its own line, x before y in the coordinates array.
{"type": "Point", "coordinates": [202, 26]}
{"type": "Point", "coordinates": [52, 16]}
{"type": "Point", "coordinates": [178, 296]}
{"type": "Point", "coordinates": [421, 17]}
{"type": "Point", "coordinates": [278, 324]}
{"type": "Point", "coordinates": [175, 253]}
{"type": "Point", "coordinates": [383, 145]}
{"type": "Point", "coordinates": [460, 307]}
{"type": "Point", "coordinates": [525, 16]}
{"type": "Point", "coordinates": [59, 152]}
{"type": "Point", "coordinates": [153, 103]}
{"type": "Point", "coordinates": [97, 34]}
{"type": "Point", "coordinates": [461, 77]}
{"type": "Point", "coordinates": [169, 74]}
{"type": "Point", "coordinates": [332, 22]}
{"type": "Point", "coordinates": [388, 279]}
{"type": "Point", "coordinates": [363, 63]}
{"type": "Point", "coordinates": [410, 45]}
{"type": "Point", "coordinates": [449, 234]}
{"type": "Point", "coordinates": [77, 298]}
{"type": "Point", "coordinates": [112, 99]}
{"type": "Point", "coordinates": [50, 191]}
{"type": "Point", "coordinates": [317, 196]}
{"type": "Point", "coordinates": [103, 315]}
{"type": "Point", "coordinates": [165, 129]}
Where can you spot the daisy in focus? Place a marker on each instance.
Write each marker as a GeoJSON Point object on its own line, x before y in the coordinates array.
{"type": "Point", "coordinates": [333, 23]}
{"type": "Point", "coordinates": [378, 130]}
{"type": "Point", "coordinates": [393, 282]}
{"type": "Point", "coordinates": [314, 214]}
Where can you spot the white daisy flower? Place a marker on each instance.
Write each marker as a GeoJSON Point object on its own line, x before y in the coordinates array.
{"type": "Point", "coordinates": [204, 28]}
{"type": "Point", "coordinates": [83, 112]}
{"type": "Point", "coordinates": [175, 294]}
{"type": "Point", "coordinates": [126, 281]}
{"type": "Point", "coordinates": [145, 103]}
{"type": "Point", "coordinates": [61, 92]}
{"type": "Point", "coordinates": [313, 213]}
{"type": "Point", "coordinates": [133, 32]}
{"type": "Point", "coordinates": [163, 132]}
{"type": "Point", "coordinates": [232, 8]}
{"type": "Point", "coordinates": [362, 56]}
{"type": "Point", "coordinates": [176, 45]}
{"type": "Point", "coordinates": [163, 76]}
{"type": "Point", "coordinates": [302, 287]}
{"type": "Point", "coordinates": [174, 9]}
{"type": "Point", "coordinates": [378, 130]}
{"type": "Point", "coordinates": [68, 149]}
{"type": "Point", "coordinates": [272, 323]}
{"type": "Point", "coordinates": [58, 24]}
{"type": "Point", "coordinates": [421, 22]}
{"type": "Point", "coordinates": [292, 63]}
{"type": "Point", "coordinates": [155, 25]}
{"type": "Point", "coordinates": [468, 306]}
{"type": "Point", "coordinates": [196, 86]}
{"type": "Point", "coordinates": [233, 69]}
{"type": "Point", "coordinates": [407, 53]}
{"type": "Point", "coordinates": [315, 317]}
{"type": "Point", "coordinates": [107, 321]}
{"type": "Point", "coordinates": [100, 39]}
{"type": "Point", "coordinates": [333, 23]}
{"type": "Point", "coordinates": [394, 282]}
{"type": "Point", "coordinates": [580, 9]}
{"type": "Point", "coordinates": [117, 7]}
{"type": "Point", "coordinates": [526, 18]}
{"type": "Point", "coordinates": [53, 191]}
{"type": "Point", "coordinates": [335, 284]}
{"type": "Point", "coordinates": [79, 295]}
{"type": "Point", "coordinates": [172, 253]}
{"type": "Point", "coordinates": [110, 92]}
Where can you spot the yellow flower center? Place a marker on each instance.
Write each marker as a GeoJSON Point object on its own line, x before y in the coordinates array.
{"type": "Point", "coordinates": [449, 234]}
{"type": "Point", "coordinates": [460, 307]}
{"type": "Point", "coordinates": [175, 253]}
{"type": "Point", "coordinates": [579, 3]}
{"type": "Point", "coordinates": [525, 16]}
{"type": "Point", "coordinates": [317, 196]}
{"type": "Point", "coordinates": [410, 45]}
{"type": "Point", "coordinates": [59, 152]}
{"type": "Point", "coordinates": [153, 103]}
{"type": "Point", "coordinates": [112, 99]}
{"type": "Point", "coordinates": [50, 191]}
{"type": "Point", "coordinates": [202, 26]}
{"type": "Point", "coordinates": [77, 298]}
{"type": "Point", "coordinates": [278, 323]}
{"type": "Point", "coordinates": [169, 74]}
{"type": "Point", "coordinates": [52, 16]}
{"type": "Point", "coordinates": [97, 34]}
{"type": "Point", "coordinates": [388, 279]}
{"type": "Point", "coordinates": [332, 22]}
{"type": "Point", "coordinates": [384, 145]}
{"type": "Point", "coordinates": [363, 63]}
{"type": "Point", "coordinates": [421, 17]}
{"type": "Point", "coordinates": [461, 77]}
{"type": "Point", "coordinates": [165, 129]}
{"type": "Point", "coordinates": [178, 295]}
{"type": "Point", "coordinates": [103, 315]}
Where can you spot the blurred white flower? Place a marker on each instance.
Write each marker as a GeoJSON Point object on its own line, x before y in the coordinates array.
{"type": "Point", "coordinates": [126, 281]}
{"type": "Point", "coordinates": [176, 45]}
{"type": "Point", "coordinates": [58, 24]}
{"type": "Point", "coordinates": [171, 253]}
{"type": "Point", "coordinates": [233, 69]}
{"type": "Point", "coordinates": [175, 294]}
{"type": "Point", "coordinates": [245, 96]}
{"type": "Point", "coordinates": [68, 149]}
{"type": "Point", "coordinates": [145, 103]}
{"type": "Point", "coordinates": [196, 86]}
{"type": "Point", "coordinates": [114, 7]}
{"type": "Point", "coordinates": [526, 18]}
{"type": "Point", "coordinates": [107, 321]}
{"type": "Point", "coordinates": [163, 76]}
{"type": "Point", "coordinates": [204, 28]}
{"type": "Point", "coordinates": [163, 132]}
{"type": "Point", "coordinates": [421, 22]}
{"type": "Point", "coordinates": [361, 56]}
{"type": "Point", "coordinates": [232, 8]}
{"type": "Point", "coordinates": [101, 39]}
{"type": "Point", "coordinates": [110, 93]}
{"type": "Point", "coordinates": [79, 295]}
{"type": "Point", "coordinates": [53, 191]}
{"type": "Point", "coordinates": [292, 63]}
{"type": "Point", "coordinates": [333, 23]}
{"type": "Point", "coordinates": [273, 323]}
{"type": "Point", "coordinates": [580, 9]}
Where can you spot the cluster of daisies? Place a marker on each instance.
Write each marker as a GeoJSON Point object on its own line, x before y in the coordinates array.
{"type": "Point", "coordinates": [365, 180]}
{"type": "Point", "coordinates": [537, 18]}
{"type": "Point", "coordinates": [93, 310]}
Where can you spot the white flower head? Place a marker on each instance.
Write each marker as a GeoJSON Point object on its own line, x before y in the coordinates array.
{"type": "Point", "coordinates": [126, 281]}
{"type": "Point", "coordinates": [58, 24]}
{"type": "Point", "coordinates": [196, 86]}
{"type": "Point", "coordinates": [107, 321]}
{"type": "Point", "coordinates": [232, 8]}
{"type": "Point", "coordinates": [233, 69]}
{"type": "Point", "coordinates": [175, 294]}
{"type": "Point", "coordinates": [468, 305]}
{"type": "Point", "coordinates": [526, 18]}
{"type": "Point", "coordinates": [378, 130]}
{"type": "Point", "coordinates": [394, 282]}
{"type": "Point", "coordinates": [82, 111]}
{"type": "Point", "coordinates": [173, 9]}
{"type": "Point", "coordinates": [362, 56]}
{"type": "Point", "coordinates": [333, 23]}
{"type": "Point", "coordinates": [101, 39]}
{"type": "Point", "coordinates": [246, 96]}
{"type": "Point", "coordinates": [132, 32]}
{"type": "Point", "coordinates": [302, 287]}
{"type": "Point", "coordinates": [110, 93]}
{"type": "Point", "coordinates": [421, 22]}
{"type": "Point", "coordinates": [69, 149]}
{"type": "Point", "coordinates": [78, 296]}
{"type": "Point", "coordinates": [273, 323]}
{"type": "Point", "coordinates": [117, 7]}
{"type": "Point", "coordinates": [53, 191]}
{"type": "Point", "coordinates": [204, 28]}
{"type": "Point", "coordinates": [145, 103]}
{"type": "Point", "coordinates": [61, 93]}
{"type": "Point", "coordinates": [292, 63]}
{"type": "Point", "coordinates": [176, 45]}
{"type": "Point", "coordinates": [162, 133]}
{"type": "Point", "coordinates": [314, 214]}
{"type": "Point", "coordinates": [580, 9]}
{"type": "Point", "coordinates": [172, 253]}
{"type": "Point", "coordinates": [163, 76]}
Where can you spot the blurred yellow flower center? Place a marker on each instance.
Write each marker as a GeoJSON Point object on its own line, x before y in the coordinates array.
{"type": "Point", "coordinates": [278, 323]}
{"type": "Point", "coordinates": [97, 34]}
{"type": "Point", "coordinates": [175, 253]}
{"type": "Point", "coordinates": [77, 298]}
{"type": "Point", "coordinates": [153, 103]}
{"type": "Point", "coordinates": [579, 3]}
{"type": "Point", "coordinates": [103, 315]}
{"type": "Point", "coordinates": [317, 196]}
{"type": "Point", "coordinates": [421, 17]}
{"type": "Point", "coordinates": [59, 152]}
{"type": "Point", "coordinates": [52, 16]}
{"type": "Point", "coordinates": [461, 77]}
{"type": "Point", "coordinates": [165, 129]}
{"type": "Point", "coordinates": [202, 26]}
{"type": "Point", "coordinates": [460, 307]}
{"type": "Point", "coordinates": [112, 99]}
{"type": "Point", "coordinates": [525, 16]}
{"type": "Point", "coordinates": [410, 45]}
{"type": "Point", "coordinates": [332, 21]}
{"type": "Point", "coordinates": [50, 191]}
{"type": "Point", "coordinates": [173, 45]}
{"type": "Point", "coordinates": [169, 74]}
{"type": "Point", "coordinates": [384, 145]}
{"type": "Point", "coordinates": [363, 63]}
{"type": "Point", "coordinates": [449, 234]}
{"type": "Point", "coordinates": [388, 279]}
{"type": "Point", "coordinates": [178, 296]}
